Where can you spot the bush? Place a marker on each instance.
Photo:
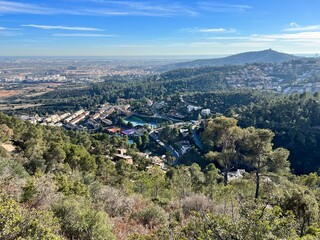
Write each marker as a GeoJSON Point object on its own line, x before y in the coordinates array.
{"type": "Point", "coordinates": [79, 220]}
{"type": "Point", "coordinates": [151, 216]}
{"type": "Point", "coordinates": [115, 202]}
{"type": "Point", "coordinates": [18, 223]}
{"type": "Point", "coordinates": [12, 177]}
{"type": "Point", "coordinates": [196, 203]}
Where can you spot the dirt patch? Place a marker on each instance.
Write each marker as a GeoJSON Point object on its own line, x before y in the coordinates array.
{"type": "Point", "coordinates": [9, 147]}
{"type": "Point", "coordinates": [9, 93]}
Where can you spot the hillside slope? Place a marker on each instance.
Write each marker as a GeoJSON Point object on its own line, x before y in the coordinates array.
{"type": "Point", "coordinates": [265, 56]}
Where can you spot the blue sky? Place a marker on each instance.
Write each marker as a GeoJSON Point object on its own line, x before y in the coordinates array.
{"type": "Point", "coordinates": [158, 27]}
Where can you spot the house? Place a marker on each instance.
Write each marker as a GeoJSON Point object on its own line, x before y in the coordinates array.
{"type": "Point", "coordinates": [144, 154]}
{"type": "Point", "coordinates": [96, 116]}
{"type": "Point", "coordinates": [184, 149]}
{"type": "Point", "coordinates": [65, 115]}
{"type": "Point", "coordinates": [113, 130]}
{"type": "Point", "coordinates": [160, 105]}
{"type": "Point", "coordinates": [159, 162]}
{"type": "Point", "coordinates": [76, 115]}
{"type": "Point", "coordinates": [149, 102]}
{"type": "Point", "coordinates": [121, 155]}
{"type": "Point", "coordinates": [185, 146]}
{"type": "Point", "coordinates": [128, 132]}
{"type": "Point", "coordinates": [107, 112]}
{"type": "Point", "coordinates": [192, 108]}
{"type": "Point", "coordinates": [123, 110]}
{"type": "Point", "coordinates": [93, 123]}
{"type": "Point", "coordinates": [79, 118]}
{"type": "Point", "coordinates": [205, 112]}
{"type": "Point", "coordinates": [106, 121]}
{"type": "Point", "coordinates": [184, 132]}
{"type": "Point", "coordinates": [236, 175]}
{"type": "Point", "coordinates": [33, 120]}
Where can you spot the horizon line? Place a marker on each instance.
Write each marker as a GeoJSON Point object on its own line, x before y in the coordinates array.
{"type": "Point", "coordinates": [153, 55]}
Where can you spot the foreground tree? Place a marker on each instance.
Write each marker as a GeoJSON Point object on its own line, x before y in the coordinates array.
{"type": "Point", "coordinates": [258, 153]}
{"type": "Point", "coordinates": [223, 135]}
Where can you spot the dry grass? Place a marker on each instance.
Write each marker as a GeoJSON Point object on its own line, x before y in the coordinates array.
{"type": "Point", "coordinates": [9, 93]}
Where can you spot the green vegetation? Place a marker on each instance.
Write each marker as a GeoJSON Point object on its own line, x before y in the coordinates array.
{"type": "Point", "coordinates": [73, 180]}
{"type": "Point", "coordinates": [295, 121]}
{"type": "Point", "coordinates": [65, 185]}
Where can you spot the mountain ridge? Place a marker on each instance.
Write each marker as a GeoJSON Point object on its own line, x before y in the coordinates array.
{"type": "Point", "coordinates": [264, 56]}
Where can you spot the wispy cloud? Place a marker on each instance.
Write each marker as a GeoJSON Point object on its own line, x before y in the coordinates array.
{"type": "Point", "coordinates": [9, 32]}
{"type": "Point", "coordinates": [302, 39]}
{"type": "Point", "coordinates": [294, 27]}
{"type": "Point", "coordinates": [148, 8]}
{"type": "Point", "coordinates": [46, 27]}
{"type": "Point", "coordinates": [82, 35]}
{"type": "Point", "coordinates": [9, 7]}
{"type": "Point", "coordinates": [301, 36]}
{"type": "Point", "coordinates": [102, 8]}
{"type": "Point", "coordinates": [286, 37]}
{"type": "Point", "coordinates": [222, 7]}
{"type": "Point", "coordinates": [251, 38]}
{"type": "Point", "coordinates": [194, 44]}
{"type": "Point", "coordinates": [209, 30]}
{"type": "Point", "coordinates": [39, 40]}
{"type": "Point", "coordinates": [5, 33]}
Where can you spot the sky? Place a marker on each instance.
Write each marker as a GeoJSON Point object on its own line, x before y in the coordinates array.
{"type": "Point", "coordinates": [157, 27]}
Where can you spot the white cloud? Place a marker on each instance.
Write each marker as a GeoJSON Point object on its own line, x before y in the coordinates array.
{"type": "Point", "coordinates": [222, 7]}
{"type": "Point", "coordinates": [82, 35]}
{"type": "Point", "coordinates": [294, 24]}
{"type": "Point", "coordinates": [209, 30]}
{"type": "Point", "coordinates": [294, 27]}
{"type": "Point", "coordinates": [45, 27]}
{"type": "Point", "coordinates": [214, 30]}
{"type": "Point", "coordinates": [230, 38]}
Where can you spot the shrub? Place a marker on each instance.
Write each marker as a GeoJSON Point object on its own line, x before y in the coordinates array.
{"type": "Point", "coordinates": [79, 220]}
{"type": "Point", "coordinates": [151, 216]}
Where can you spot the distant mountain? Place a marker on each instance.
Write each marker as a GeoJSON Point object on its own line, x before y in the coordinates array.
{"type": "Point", "coordinates": [265, 56]}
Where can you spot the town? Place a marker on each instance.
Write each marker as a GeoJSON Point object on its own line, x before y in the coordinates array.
{"type": "Point", "coordinates": [15, 70]}
{"type": "Point", "coordinates": [290, 77]}
{"type": "Point", "coordinates": [121, 121]}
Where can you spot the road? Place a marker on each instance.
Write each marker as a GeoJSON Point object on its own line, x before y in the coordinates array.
{"type": "Point", "coordinates": [196, 139]}
{"type": "Point", "coordinates": [168, 148]}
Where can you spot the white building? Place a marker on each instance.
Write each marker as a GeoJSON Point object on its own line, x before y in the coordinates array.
{"type": "Point", "coordinates": [205, 112]}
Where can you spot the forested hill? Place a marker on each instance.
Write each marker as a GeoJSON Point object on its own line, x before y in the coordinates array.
{"type": "Point", "coordinates": [265, 56]}
{"type": "Point", "coordinates": [67, 185]}
{"type": "Point", "coordinates": [166, 84]}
